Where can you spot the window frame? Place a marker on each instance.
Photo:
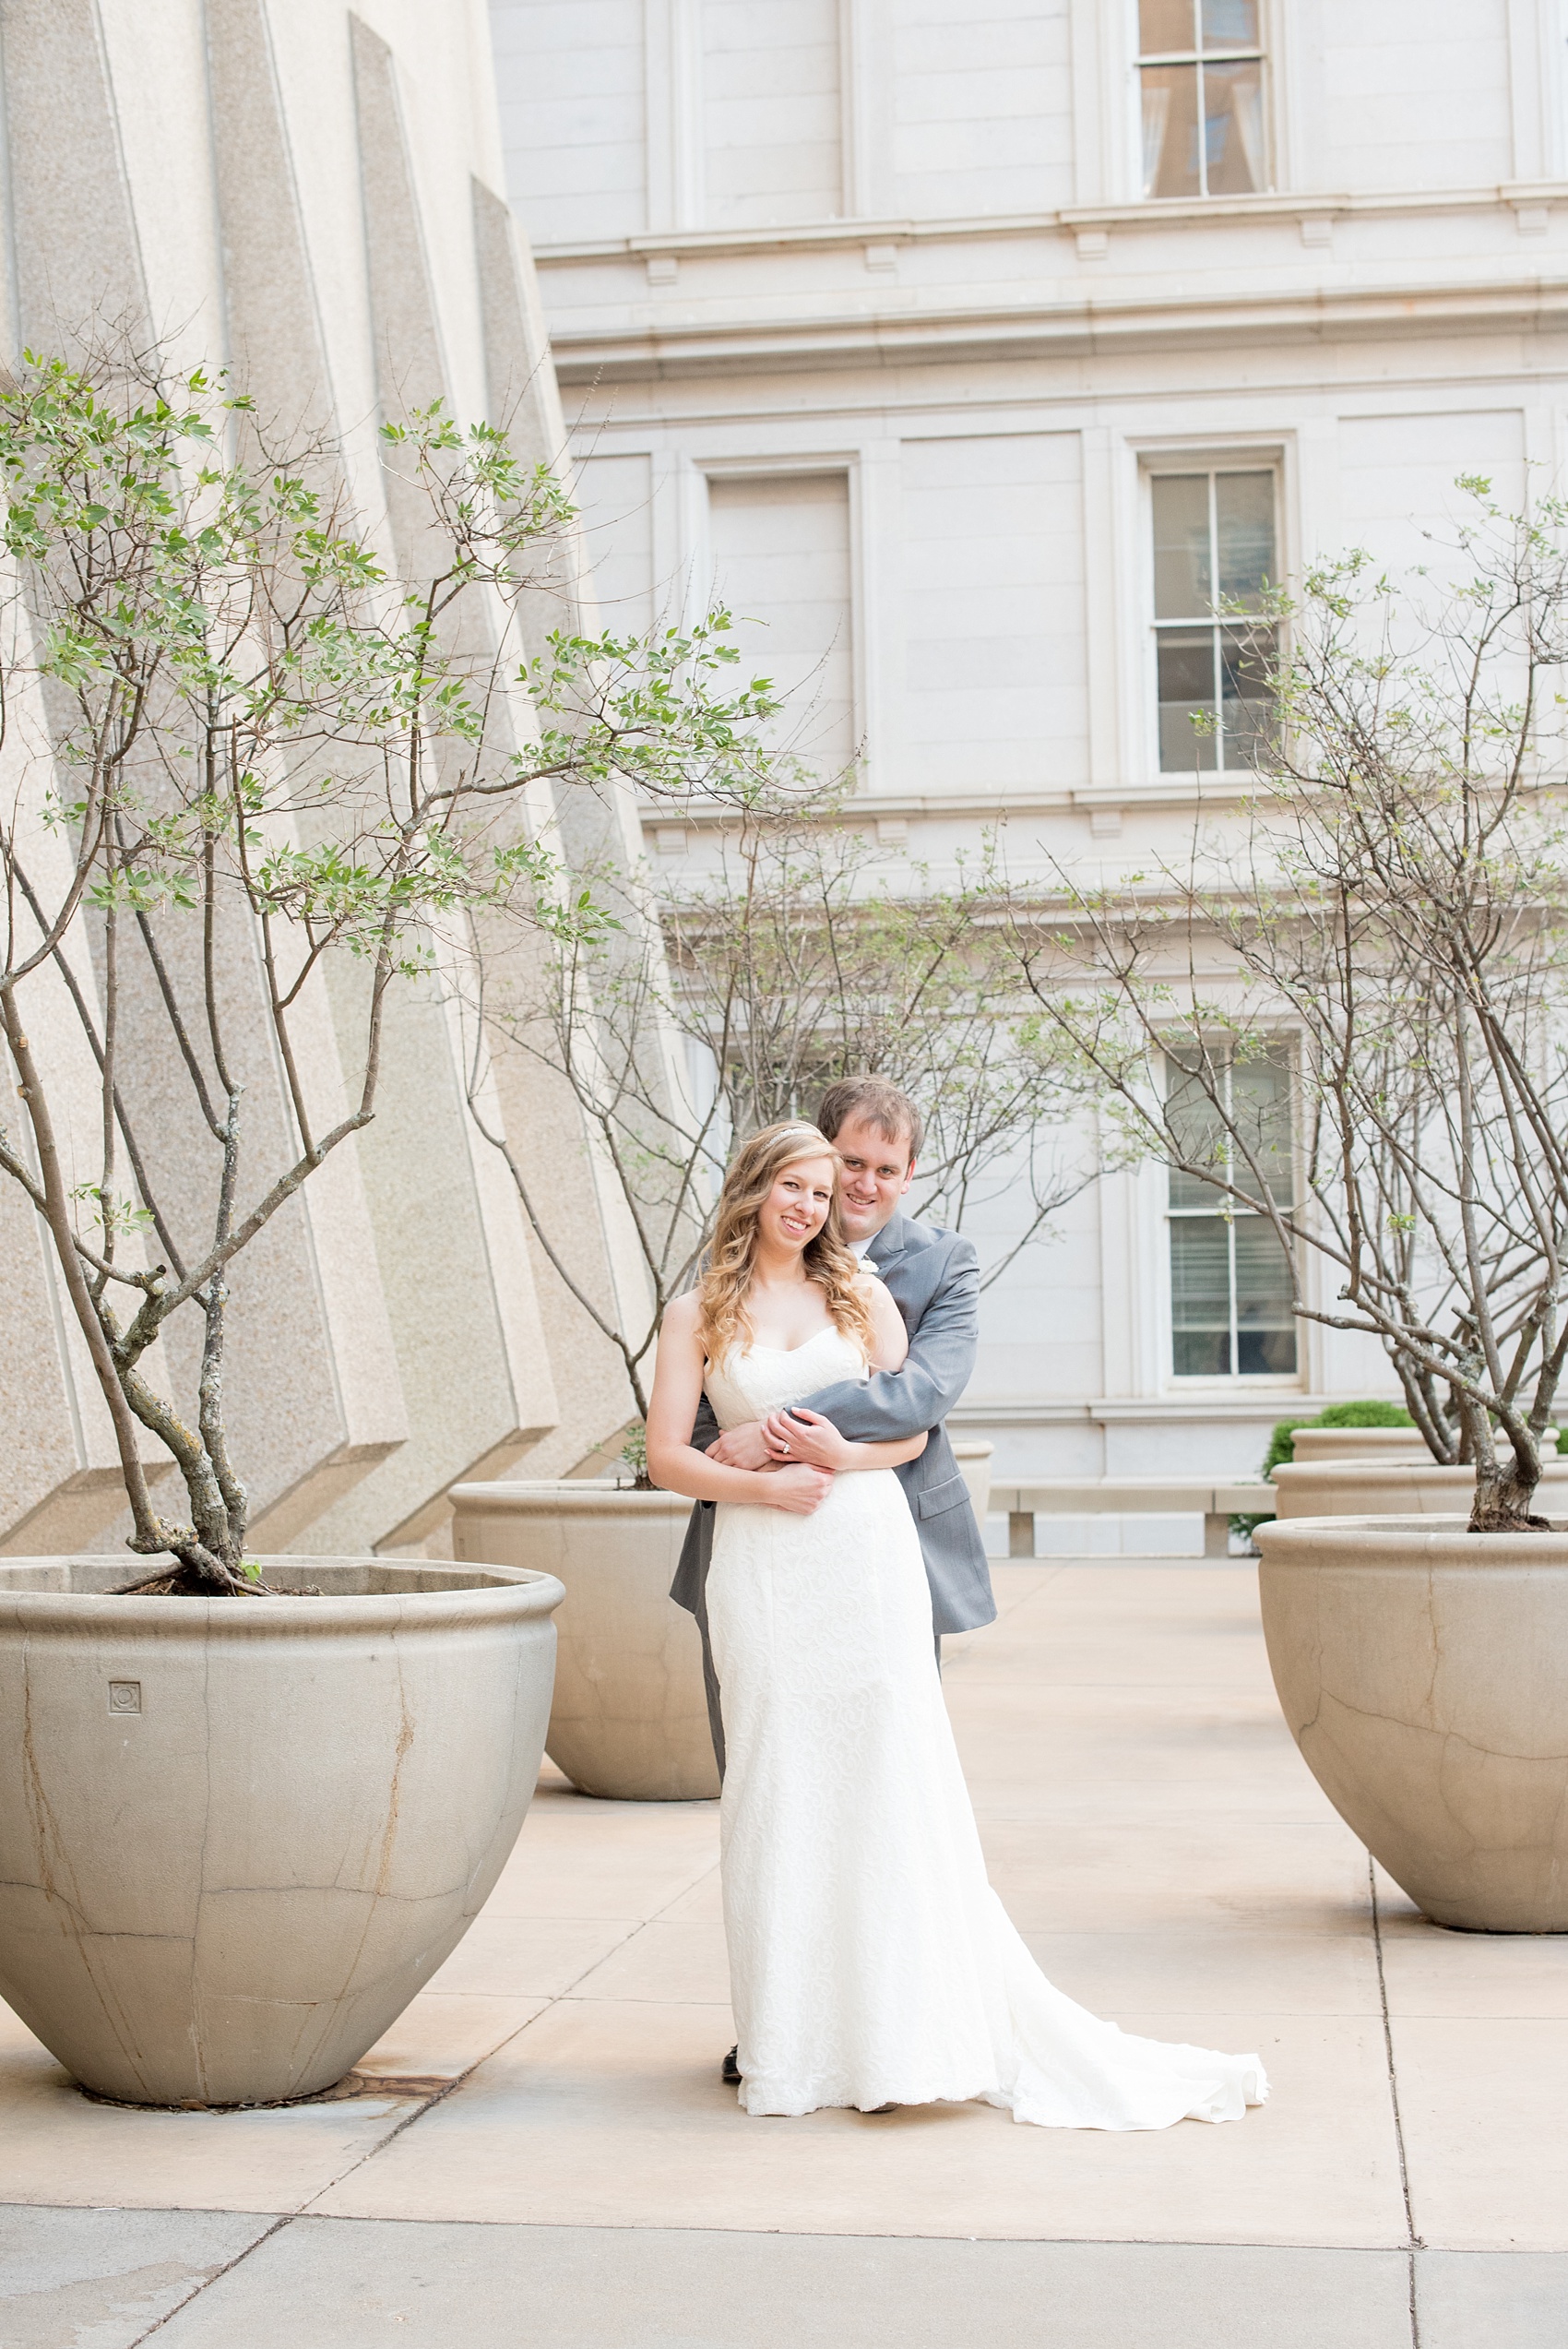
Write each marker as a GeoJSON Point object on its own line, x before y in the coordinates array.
{"type": "Point", "coordinates": [1267, 52]}
{"type": "Point", "coordinates": [1282, 1381]}
{"type": "Point", "coordinates": [1269, 457]}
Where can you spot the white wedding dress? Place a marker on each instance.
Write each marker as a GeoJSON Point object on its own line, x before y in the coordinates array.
{"type": "Point", "coordinates": [870, 1963]}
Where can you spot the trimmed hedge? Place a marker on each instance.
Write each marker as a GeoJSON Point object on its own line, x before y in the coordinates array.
{"type": "Point", "coordinates": [1353, 1414]}
{"type": "Point", "coordinates": [1366, 1414]}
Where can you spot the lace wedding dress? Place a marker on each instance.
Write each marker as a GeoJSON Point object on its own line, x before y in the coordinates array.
{"type": "Point", "coordinates": [870, 1961]}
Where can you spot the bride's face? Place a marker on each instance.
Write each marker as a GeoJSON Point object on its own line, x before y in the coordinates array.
{"type": "Point", "coordinates": [796, 1209]}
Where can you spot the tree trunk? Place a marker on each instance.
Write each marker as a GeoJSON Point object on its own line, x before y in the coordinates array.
{"type": "Point", "coordinates": [1503, 1501]}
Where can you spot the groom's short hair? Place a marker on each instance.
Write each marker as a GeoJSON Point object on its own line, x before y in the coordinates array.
{"type": "Point", "coordinates": [873, 1101]}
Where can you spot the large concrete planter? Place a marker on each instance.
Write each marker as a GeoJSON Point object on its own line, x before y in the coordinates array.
{"type": "Point", "coordinates": [1310, 1444]}
{"type": "Point", "coordinates": [630, 1717]}
{"type": "Point", "coordinates": [1394, 1488]}
{"type": "Point", "coordinates": [974, 1466]}
{"type": "Point", "coordinates": [1423, 1672]}
{"type": "Point", "coordinates": [237, 1836]}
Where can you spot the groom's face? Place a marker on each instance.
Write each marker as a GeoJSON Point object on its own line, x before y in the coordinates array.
{"type": "Point", "coordinates": [875, 1175]}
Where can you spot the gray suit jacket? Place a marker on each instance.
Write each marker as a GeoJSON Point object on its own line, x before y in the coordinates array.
{"type": "Point", "coordinates": [934, 1279]}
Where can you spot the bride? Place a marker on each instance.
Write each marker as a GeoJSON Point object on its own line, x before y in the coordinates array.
{"type": "Point", "coordinates": [871, 1964]}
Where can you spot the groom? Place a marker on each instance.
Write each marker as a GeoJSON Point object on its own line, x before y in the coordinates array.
{"type": "Point", "coordinates": [934, 1279]}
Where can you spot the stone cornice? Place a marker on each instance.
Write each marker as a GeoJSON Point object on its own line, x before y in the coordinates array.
{"type": "Point", "coordinates": [1217, 212]}
{"type": "Point", "coordinates": [988, 808]}
{"type": "Point", "coordinates": [1079, 325]}
{"type": "Point", "coordinates": [1223, 1400]}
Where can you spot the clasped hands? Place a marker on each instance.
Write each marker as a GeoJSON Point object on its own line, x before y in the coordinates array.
{"type": "Point", "coordinates": [799, 1447]}
{"type": "Point", "coordinates": [785, 1438]}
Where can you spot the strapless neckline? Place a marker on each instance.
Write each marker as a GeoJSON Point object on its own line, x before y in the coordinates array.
{"type": "Point", "coordinates": [751, 1382]}
{"type": "Point", "coordinates": [756, 1345]}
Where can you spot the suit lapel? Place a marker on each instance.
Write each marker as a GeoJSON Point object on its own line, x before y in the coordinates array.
{"type": "Point", "coordinates": [890, 1244]}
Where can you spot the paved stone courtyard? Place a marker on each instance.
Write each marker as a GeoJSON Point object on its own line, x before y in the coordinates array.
{"type": "Point", "coordinates": [542, 2156]}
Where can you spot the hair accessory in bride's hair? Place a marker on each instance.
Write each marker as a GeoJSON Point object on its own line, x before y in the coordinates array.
{"type": "Point", "coordinates": [748, 1182]}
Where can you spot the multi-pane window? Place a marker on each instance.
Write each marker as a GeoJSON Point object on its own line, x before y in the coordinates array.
{"type": "Point", "coordinates": [1200, 68]}
{"type": "Point", "coordinates": [1214, 558]}
{"type": "Point", "coordinates": [1229, 1277]}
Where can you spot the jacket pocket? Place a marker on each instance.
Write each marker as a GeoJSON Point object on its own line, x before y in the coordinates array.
{"type": "Point", "coordinates": [947, 1495]}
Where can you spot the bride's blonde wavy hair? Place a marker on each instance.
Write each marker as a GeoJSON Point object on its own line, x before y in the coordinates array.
{"type": "Point", "coordinates": [748, 1179]}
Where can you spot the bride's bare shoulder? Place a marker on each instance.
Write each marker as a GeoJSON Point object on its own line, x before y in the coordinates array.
{"type": "Point", "coordinates": [682, 1315]}
{"type": "Point", "coordinates": [886, 1321]}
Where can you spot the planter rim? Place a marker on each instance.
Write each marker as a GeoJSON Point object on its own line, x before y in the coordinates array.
{"type": "Point", "coordinates": [1378, 1472]}
{"type": "Point", "coordinates": [507, 1593]}
{"type": "Point", "coordinates": [1436, 1540]}
{"type": "Point", "coordinates": [580, 1495]}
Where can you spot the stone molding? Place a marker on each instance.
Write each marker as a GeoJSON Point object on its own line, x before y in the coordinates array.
{"type": "Point", "coordinates": [1217, 212]}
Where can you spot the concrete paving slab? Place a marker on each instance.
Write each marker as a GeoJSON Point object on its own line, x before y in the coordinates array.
{"type": "Point", "coordinates": [325, 2285]}
{"type": "Point", "coordinates": [441, 2035]}
{"type": "Point", "coordinates": [530, 1957]}
{"type": "Point", "coordinates": [1035, 1787]}
{"type": "Point", "coordinates": [1492, 2299]}
{"type": "Point", "coordinates": [1086, 1877]}
{"type": "Point", "coordinates": [1483, 2104]}
{"type": "Point", "coordinates": [579, 1857]}
{"type": "Point", "coordinates": [72, 2279]}
{"type": "Point", "coordinates": [702, 1904]}
{"type": "Point", "coordinates": [1434, 1972]}
{"type": "Point", "coordinates": [1047, 1745]}
{"type": "Point", "coordinates": [611, 2114]}
{"type": "Point", "coordinates": [57, 2146]}
{"type": "Point", "coordinates": [1078, 1627]}
{"type": "Point", "coordinates": [1197, 1972]}
{"type": "Point", "coordinates": [684, 1962]}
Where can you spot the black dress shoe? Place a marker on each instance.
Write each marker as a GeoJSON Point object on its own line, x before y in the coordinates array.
{"type": "Point", "coordinates": [732, 2069]}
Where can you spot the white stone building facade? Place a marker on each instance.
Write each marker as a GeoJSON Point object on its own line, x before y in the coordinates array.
{"type": "Point", "coordinates": [963, 346]}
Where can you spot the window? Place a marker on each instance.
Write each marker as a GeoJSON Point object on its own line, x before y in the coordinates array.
{"type": "Point", "coordinates": [1200, 70]}
{"type": "Point", "coordinates": [1230, 1312]}
{"type": "Point", "coordinates": [1213, 548]}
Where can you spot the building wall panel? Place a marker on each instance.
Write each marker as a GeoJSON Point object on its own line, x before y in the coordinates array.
{"type": "Point", "coordinates": [993, 650]}
{"type": "Point", "coordinates": [770, 112]}
{"type": "Point", "coordinates": [1415, 94]}
{"type": "Point", "coordinates": [781, 548]}
{"type": "Point", "coordinates": [614, 498]}
{"type": "Point", "coordinates": [981, 108]}
{"type": "Point", "coordinates": [573, 114]}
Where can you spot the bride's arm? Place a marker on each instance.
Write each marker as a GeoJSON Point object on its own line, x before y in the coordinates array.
{"type": "Point", "coordinates": [673, 1462]}
{"type": "Point", "coordinates": [816, 1439]}
{"type": "Point", "coordinates": [891, 1339]}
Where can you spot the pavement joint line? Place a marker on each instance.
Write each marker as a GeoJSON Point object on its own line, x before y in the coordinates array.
{"type": "Point", "coordinates": [286, 2218]}
{"type": "Point", "coordinates": [1414, 2242]}
{"type": "Point", "coordinates": [776, 2234]}
{"type": "Point", "coordinates": [425, 2105]}
{"type": "Point", "coordinates": [659, 1915]}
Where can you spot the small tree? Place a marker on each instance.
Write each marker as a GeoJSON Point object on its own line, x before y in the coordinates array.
{"type": "Point", "coordinates": [1348, 1022]}
{"type": "Point", "coordinates": [233, 752]}
{"type": "Point", "coordinates": [721, 1003]}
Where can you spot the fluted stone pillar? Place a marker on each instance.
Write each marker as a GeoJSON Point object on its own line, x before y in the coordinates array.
{"type": "Point", "coordinates": [286, 188]}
